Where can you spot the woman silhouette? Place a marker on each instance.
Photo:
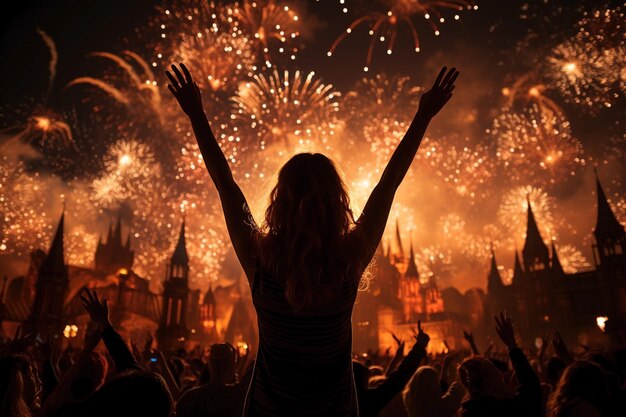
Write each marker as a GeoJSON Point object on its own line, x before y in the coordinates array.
{"type": "Point", "coordinates": [305, 262]}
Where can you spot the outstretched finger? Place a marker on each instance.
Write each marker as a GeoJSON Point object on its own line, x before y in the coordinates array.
{"type": "Point", "coordinates": [440, 77]}
{"type": "Point", "coordinates": [85, 301]}
{"type": "Point", "coordinates": [450, 84]}
{"type": "Point", "coordinates": [419, 326]}
{"type": "Point", "coordinates": [96, 301]}
{"type": "Point", "coordinates": [89, 296]}
{"type": "Point", "coordinates": [447, 77]}
{"type": "Point", "coordinates": [180, 77]}
{"type": "Point", "coordinates": [172, 90]}
{"type": "Point", "coordinates": [173, 80]}
{"type": "Point", "coordinates": [188, 77]}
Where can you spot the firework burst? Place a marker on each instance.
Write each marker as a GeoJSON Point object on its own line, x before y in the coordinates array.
{"type": "Point", "coordinates": [24, 221]}
{"type": "Point", "coordinates": [380, 110]}
{"type": "Point", "coordinates": [270, 26]}
{"type": "Point", "coordinates": [466, 168]}
{"type": "Point", "coordinates": [572, 260]}
{"type": "Point", "coordinates": [208, 39]}
{"type": "Point", "coordinates": [535, 142]}
{"type": "Point", "coordinates": [587, 68]}
{"type": "Point", "coordinates": [513, 212]}
{"type": "Point", "coordinates": [297, 109]}
{"type": "Point", "coordinates": [385, 23]}
{"type": "Point", "coordinates": [528, 90]}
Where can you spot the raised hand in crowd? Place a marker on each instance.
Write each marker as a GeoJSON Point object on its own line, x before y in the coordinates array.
{"type": "Point", "coordinates": [469, 336]}
{"type": "Point", "coordinates": [505, 331]}
{"type": "Point", "coordinates": [98, 310]}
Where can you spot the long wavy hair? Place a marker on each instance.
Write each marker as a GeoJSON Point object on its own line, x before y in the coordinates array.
{"type": "Point", "coordinates": [305, 229]}
{"type": "Point", "coordinates": [582, 382]}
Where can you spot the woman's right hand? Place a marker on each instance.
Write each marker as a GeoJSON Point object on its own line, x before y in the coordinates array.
{"type": "Point", "coordinates": [434, 99]}
{"type": "Point", "coordinates": [185, 90]}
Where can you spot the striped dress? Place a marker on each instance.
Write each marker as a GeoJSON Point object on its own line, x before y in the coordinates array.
{"type": "Point", "coordinates": [304, 363]}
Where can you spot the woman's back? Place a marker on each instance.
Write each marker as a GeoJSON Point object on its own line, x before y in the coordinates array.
{"type": "Point", "coordinates": [304, 364]}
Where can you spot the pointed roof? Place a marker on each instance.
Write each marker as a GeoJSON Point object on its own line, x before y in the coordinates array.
{"type": "Point", "coordinates": [534, 247]}
{"type": "Point", "coordinates": [411, 269]}
{"type": "Point", "coordinates": [399, 240]}
{"type": "Point", "coordinates": [55, 259]}
{"type": "Point", "coordinates": [607, 224]}
{"type": "Point", "coordinates": [117, 233]}
{"type": "Point", "coordinates": [180, 256]}
{"type": "Point", "coordinates": [494, 280]}
{"type": "Point", "coordinates": [127, 245]}
{"type": "Point", "coordinates": [556, 262]}
{"type": "Point", "coordinates": [110, 234]}
{"type": "Point", "coordinates": [209, 297]}
{"type": "Point", "coordinates": [518, 271]}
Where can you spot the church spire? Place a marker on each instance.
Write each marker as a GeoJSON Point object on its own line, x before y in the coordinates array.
{"type": "Point", "coordinates": [399, 241]}
{"type": "Point", "coordinates": [117, 233]}
{"type": "Point", "coordinates": [535, 252]}
{"type": "Point", "coordinates": [518, 271]}
{"type": "Point", "coordinates": [494, 280]}
{"type": "Point", "coordinates": [607, 225]}
{"type": "Point", "coordinates": [411, 269]}
{"type": "Point", "coordinates": [556, 262]}
{"type": "Point", "coordinates": [180, 256]}
{"type": "Point", "coordinates": [55, 260]}
{"type": "Point", "coordinates": [110, 234]}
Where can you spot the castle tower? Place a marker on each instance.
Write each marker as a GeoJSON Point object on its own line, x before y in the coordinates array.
{"type": "Point", "coordinates": [498, 298]}
{"type": "Point", "coordinates": [535, 254]}
{"type": "Point", "coordinates": [518, 271]}
{"type": "Point", "coordinates": [494, 280]}
{"type": "Point", "coordinates": [410, 291]}
{"type": "Point", "coordinates": [398, 259]}
{"type": "Point", "coordinates": [46, 317]}
{"type": "Point", "coordinates": [113, 256]}
{"type": "Point", "coordinates": [431, 297]}
{"type": "Point", "coordinates": [556, 266]}
{"type": "Point", "coordinates": [207, 314]}
{"type": "Point", "coordinates": [172, 332]}
{"type": "Point", "coordinates": [610, 238]}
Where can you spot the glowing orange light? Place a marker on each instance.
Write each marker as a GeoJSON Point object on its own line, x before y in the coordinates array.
{"type": "Point", "coordinates": [570, 68]}
{"type": "Point", "coordinates": [42, 123]}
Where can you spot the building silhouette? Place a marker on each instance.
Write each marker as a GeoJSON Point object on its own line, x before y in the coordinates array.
{"type": "Point", "coordinates": [542, 297]}
{"type": "Point", "coordinates": [46, 300]}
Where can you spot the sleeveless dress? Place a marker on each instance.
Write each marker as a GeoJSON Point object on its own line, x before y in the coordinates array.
{"type": "Point", "coordinates": [304, 361]}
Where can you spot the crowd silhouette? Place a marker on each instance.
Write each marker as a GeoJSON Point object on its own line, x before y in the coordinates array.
{"type": "Point", "coordinates": [116, 378]}
{"type": "Point", "coordinates": [303, 264]}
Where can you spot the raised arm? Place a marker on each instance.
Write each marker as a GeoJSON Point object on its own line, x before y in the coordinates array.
{"type": "Point", "coordinates": [371, 223]}
{"type": "Point", "coordinates": [239, 221]}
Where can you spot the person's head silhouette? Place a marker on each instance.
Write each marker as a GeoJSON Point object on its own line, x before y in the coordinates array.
{"type": "Point", "coordinates": [307, 219]}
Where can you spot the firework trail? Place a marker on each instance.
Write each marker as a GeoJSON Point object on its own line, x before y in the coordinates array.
{"type": "Point", "coordinates": [54, 58]}
{"type": "Point", "coordinates": [528, 90]}
{"type": "Point", "coordinates": [385, 23]}
{"type": "Point", "coordinates": [138, 86]}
